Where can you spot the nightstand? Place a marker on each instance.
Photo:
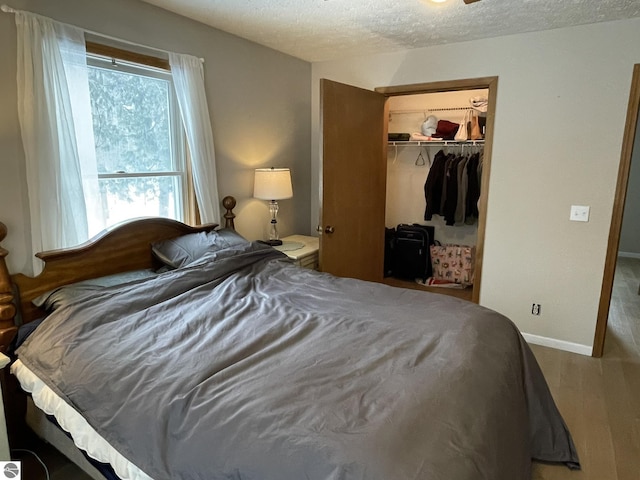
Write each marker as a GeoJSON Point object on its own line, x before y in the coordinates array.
{"type": "Point", "coordinates": [302, 249]}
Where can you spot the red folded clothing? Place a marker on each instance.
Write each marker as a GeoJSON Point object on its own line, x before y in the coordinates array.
{"type": "Point", "coordinates": [446, 129]}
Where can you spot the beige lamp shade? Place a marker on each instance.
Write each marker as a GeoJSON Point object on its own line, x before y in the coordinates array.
{"type": "Point", "coordinates": [272, 184]}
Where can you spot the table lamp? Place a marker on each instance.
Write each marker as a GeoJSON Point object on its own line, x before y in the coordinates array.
{"type": "Point", "coordinates": [273, 184]}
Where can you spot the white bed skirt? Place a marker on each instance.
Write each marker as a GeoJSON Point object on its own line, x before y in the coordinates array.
{"type": "Point", "coordinates": [83, 435]}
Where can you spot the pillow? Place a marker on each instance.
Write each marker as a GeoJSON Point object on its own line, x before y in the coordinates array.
{"type": "Point", "coordinates": [23, 333]}
{"type": "Point", "coordinates": [61, 296]}
{"type": "Point", "coordinates": [181, 251]}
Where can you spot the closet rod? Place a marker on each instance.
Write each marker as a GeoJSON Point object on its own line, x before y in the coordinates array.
{"type": "Point", "coordinates": [431, 110]}
{"type": "Point", "coordinates": [435, 143]}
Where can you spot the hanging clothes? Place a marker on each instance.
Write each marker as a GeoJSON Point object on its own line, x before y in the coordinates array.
{"type": "Point", "coordinates": [433, 185]}
{"type": "Point", "coordinates": [452, 188]}
{"type": "Point", "coordinates": [463, 185]}
{"type": "Point", "coordinates": [473, 190]}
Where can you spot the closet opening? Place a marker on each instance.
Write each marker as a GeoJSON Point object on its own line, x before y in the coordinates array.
{"type": "Point", "coordinates": [409, 163]}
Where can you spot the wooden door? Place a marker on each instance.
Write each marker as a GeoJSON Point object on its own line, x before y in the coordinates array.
{"type": "Point", "coordinates": [624, 170]}
{"type": "Point", "coordinates": [353, 181]}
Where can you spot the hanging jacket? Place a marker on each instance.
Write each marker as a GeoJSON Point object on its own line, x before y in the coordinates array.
{"type": "Point", "coordinates": [473, 190]}
{"type": "Point", "coordinates": [451, 193]}
{"type": "Point", "coordinates": [433, 185]}
{"type": "Point", "coordinates": [463, 187]}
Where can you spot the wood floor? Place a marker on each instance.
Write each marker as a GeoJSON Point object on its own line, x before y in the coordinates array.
{"type": "Point", "coordinates": [599, 398]}
{"type": "Point", "coordinates": [57, 465]}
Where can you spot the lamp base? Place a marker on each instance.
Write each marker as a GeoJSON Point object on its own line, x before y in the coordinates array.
{"type": "Point", "coordinates": [273, 243]}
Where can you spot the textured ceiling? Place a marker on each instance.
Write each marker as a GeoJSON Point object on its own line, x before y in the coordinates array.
{"type": "Point", "coordinates": [318, 30]}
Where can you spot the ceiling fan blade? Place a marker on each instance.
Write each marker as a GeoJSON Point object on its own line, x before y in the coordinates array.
{"type": "Point", "coordinates": [470, 1]}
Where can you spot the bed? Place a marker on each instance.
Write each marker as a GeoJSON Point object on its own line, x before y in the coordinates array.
{"type": "Point", "coordinates": [199, 355]}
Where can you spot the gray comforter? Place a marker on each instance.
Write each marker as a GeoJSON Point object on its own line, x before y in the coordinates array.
{"type": "Point", "coordinates": [244, 366]}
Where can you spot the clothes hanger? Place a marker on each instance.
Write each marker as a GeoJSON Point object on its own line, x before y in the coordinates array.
{"type": "Point", "coordinates": [420, 161]}
{"type": "Point", "coordinates": [395, 155]}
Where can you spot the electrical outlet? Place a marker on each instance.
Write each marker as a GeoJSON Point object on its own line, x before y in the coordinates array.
{"type": "Point", "coordinates": [535, 309]}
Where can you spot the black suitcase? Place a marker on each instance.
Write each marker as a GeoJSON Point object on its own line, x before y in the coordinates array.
{"type": "Point", "coordinates": [389, 251]}
{"type": "Point", "coordinates": [411, 251]}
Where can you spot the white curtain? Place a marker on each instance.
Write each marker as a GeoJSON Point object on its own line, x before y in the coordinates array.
{"type": "Point", "coordinates": [56, 130]}
{"type": "Point", "coordinates": [188, 79]}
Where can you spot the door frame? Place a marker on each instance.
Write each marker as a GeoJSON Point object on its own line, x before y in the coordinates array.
{"type": "Point", "coordinates": [490, 83]}
{"type": "Point", "coordinates": [620, 198]}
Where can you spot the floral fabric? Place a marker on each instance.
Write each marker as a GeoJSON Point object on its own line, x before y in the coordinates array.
{"type": "Point", "coordinates": [454, 263]}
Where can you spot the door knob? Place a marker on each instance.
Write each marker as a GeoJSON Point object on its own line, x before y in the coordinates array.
{"type": "Point", "coordinates": [329, 229]}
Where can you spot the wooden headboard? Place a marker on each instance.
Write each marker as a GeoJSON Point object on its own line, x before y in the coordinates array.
{"type": "Point", "coordinates": [124, 247]}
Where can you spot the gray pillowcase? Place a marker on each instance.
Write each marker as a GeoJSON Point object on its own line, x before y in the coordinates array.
{"type": "Point", "coordinates": [66, 294]}
{"type": "Point", "coordinates": [183, 250]}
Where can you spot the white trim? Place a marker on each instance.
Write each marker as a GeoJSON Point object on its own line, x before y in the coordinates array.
{"type": "Point", "coordinates": [629, 254]}
{"type": "Point", "coordinates": [558, 344]}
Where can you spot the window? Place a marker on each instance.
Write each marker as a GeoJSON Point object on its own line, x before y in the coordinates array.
{"type": "Point", "coordinates": [139, 142]}
{"type": "Point", "coordinates": [139, 173]}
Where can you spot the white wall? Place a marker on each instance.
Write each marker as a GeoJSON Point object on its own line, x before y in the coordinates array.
{"type": "Point", "coordinates": [258, 101]}
{"type": "Point", "coordinates": [630, 234]}
{"type": "Point", "coordinates": [561, 108]}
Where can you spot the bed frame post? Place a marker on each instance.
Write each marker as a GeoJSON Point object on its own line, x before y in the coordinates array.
{"type": "Point", "coordinates": [229, 204]}
{"type": "Point", "coordinates": [7, 308]}
{"type": "Point", "coordinates": [13, 398]}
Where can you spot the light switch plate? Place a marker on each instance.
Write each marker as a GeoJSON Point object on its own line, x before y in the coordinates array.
{"type": "Point", "coordinates": [579, 213]}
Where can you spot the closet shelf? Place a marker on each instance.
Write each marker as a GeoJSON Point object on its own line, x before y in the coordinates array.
{"type": "Point", "coordinates": [437, 143]}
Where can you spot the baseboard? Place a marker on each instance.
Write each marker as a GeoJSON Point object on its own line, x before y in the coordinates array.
{"type": "Point", "coordinates": [558, 344]}
{"type": "Point", "coordinates": [629, 254]}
